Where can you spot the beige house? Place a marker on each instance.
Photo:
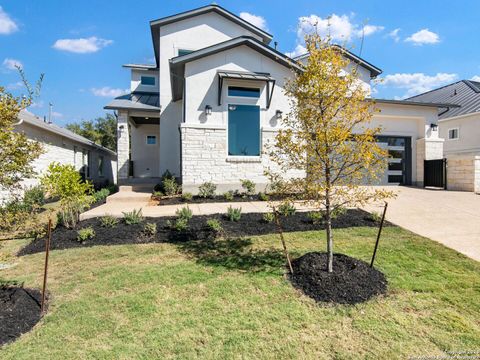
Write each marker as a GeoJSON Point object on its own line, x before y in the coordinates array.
{"type": "Point", "coordinates": [460, 127]}
{"type": "Point", "coordinates": [94, 162]}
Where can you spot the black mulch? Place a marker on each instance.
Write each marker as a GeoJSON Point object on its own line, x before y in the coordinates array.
{"type": "Point", "coordinates": [19, 311]}
{"type": "Point", "coordinates": [250, 224]}
{"type": "Point", "coordinates": [352, 281]}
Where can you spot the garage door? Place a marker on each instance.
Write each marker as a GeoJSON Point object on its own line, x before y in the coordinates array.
{"type": "Point", "coordinates": [399, 170]}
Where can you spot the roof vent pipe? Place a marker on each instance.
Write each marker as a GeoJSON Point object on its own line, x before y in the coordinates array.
{"type": "Point", "coordinates": [276, 44]}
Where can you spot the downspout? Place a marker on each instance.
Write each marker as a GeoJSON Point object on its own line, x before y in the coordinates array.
{"type": "Point", "coordinates": [443, 112]}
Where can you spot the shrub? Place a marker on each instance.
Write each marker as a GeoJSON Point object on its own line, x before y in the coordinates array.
{"type": "Point", "coordinates": [14, 215]}
{"type": "Point", "coordinates": [150, 229]}
{"type": "Point", "coordinates": [187, 196]}
{"type": "Point", "coordinates": [268, 217]}
{"type": "Point", "coordinates": [287, 209]}
{"type": "Point", "coordinates": [65, 182]}
{"type": "Point", "coordinates": [158, 193]}
{"type": "Point", "coordinates": [108, 221]}
{"type": "Point", "coordinates": [34, 197]}
{"type": "Point", "coordinates": [170, 186]}
{"type": "Point", "coordinates": [184, 213]}
{"type": "Point", "coordinates": [263, 197]}
{"type": "Point", "coordinates": [248, 186]}
{"type": "Point", "coordinates": [178, 224]}
{"type": "Point", "coordinates": [228, 195]}
{"type": "Point", "coordinates": [214, 226]}
{"type": "Point", "coordinates": [234, 214]}
{"type": "Point", "coordinates": [85, 234]}
{"type": "Point", "coordinates": [316, 217]}
{"type": "Point", "coordinates": [101, 194]}
{"type": "Point", "coordinates": [207, 190]}
{"type": "Point", "coordinates": [70, 209]}
{"type": "Point", "coordinates": [376, 216]}
{"type": "Point", "coordinates": [133, 217]}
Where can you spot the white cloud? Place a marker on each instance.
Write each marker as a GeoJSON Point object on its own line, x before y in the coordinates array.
{"type": "Point", "coordinates": [7, 25]}
{"type": "Point", "coordinates": [394, 34]}
{"type": "Point", "coordinates": [107, 91]}
{"type": "Point", "coordinates": [258, 21]}
{"type": "Point", "coordinates": [37, 104]}
{"type": "Point", "coordinates": [338, 27]}
{"type": "Point", "coordinates": [15, 86]}
{"type": "Point", "coordinates": [475, 78]}
{"type": "Point", "coordinates": [417, 83]}
{"type": "Point", "coordinates": [12, 64]}
{"type": "Point", "coordinates": [82, 45]}
{"type": "Point", "coordinates": [56, 114]}
{"type": "Point", "coordinates": [422, 37]}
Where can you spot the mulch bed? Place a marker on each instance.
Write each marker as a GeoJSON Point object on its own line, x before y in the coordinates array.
{"type": "Point", "coordinates": [19, 311]}
{"type": "Point", "coordinates": [352, 281]}
{"type": "Point", "coordinates": [250, 224]}
{"type": "Point", "coordinates": [175, 200]}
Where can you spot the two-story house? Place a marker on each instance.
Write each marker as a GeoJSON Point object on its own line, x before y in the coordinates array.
{"type": "Point", "coordinates": [206, 110]}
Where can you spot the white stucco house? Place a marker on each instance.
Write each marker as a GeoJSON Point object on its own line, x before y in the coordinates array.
{"type": "Point", "coordinates": [93, 161]}
{"type": "Point", "coordinates": [460, 127]}
{"type": "Point", "coordinates": [208, 106]}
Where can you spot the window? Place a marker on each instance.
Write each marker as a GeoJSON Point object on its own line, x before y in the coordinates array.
{"type": "Point", "coordinates": [452, 134]}
{"type": "Point", "coordinates": [147, 80]}
{"type": "Point", "coordinates": [243, 130]}
{"type": "Point", "coordinates": [182, 52]}
{"type": "Point", "coordinates": [243, 91]}
{"type": "Point", "coordinates": [100, 166]}
{"type": "Point", "coordinates": [151, 139]}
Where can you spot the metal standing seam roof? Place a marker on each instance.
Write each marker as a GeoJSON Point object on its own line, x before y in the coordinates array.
{"type": "Point", "coordinates": [135, 101]}
{"type": "Point", "coordinates": [156, 24]}
{"type": "Point", "coordinates": [244, 75]}
{"type": "Point", "coordinates": [36, 121]}
{"type": "Point", "coordinates": [465, 94]}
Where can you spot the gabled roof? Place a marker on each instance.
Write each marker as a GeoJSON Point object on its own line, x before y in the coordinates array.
{"type": "Point", "coordinates": [464, 93]}
{"type": "Point", "coordinates": [177, 64]}
{"type": "Point", "coordinates": [374, 71]}
{"type": "Point", "coordinates": [156, 24]}
{"type": "Point", "coordinates": [414, 103]}
{"type": "Point", "coordinates": [29, 118]}
{"type": "Point", "coordinates": [135, 101]}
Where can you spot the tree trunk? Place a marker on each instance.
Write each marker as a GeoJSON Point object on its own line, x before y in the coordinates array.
{"type": "Point", "coordinates": [328, 219]}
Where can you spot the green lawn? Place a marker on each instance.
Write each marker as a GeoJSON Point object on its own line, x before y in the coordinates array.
{"type": "Point", "coordinates": [231, 300]}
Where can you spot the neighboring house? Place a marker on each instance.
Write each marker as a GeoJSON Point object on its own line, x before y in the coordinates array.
{"type": "Point", "coordinates": [460, 127]}
{"type": "Point", "coordinates": [93, 161]}
{"type": "Point", "coordinates": [215, 97]}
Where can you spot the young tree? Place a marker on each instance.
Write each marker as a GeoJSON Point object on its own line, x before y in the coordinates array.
{"type": "Point", "coordinates": [16, 151]}
{"type": "Point", "coordinates": [103, 131]}
{"type": "Point", "coordinates": [327, 136]}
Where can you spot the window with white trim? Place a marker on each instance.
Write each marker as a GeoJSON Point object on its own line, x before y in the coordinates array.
{"type": "Point", "coordinates": [453, 134]}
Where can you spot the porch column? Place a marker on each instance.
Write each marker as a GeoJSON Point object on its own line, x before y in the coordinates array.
{"type": "Point", "coordinates": [123, 146]}
{"type": "Point", "coordinates": [427, 149]}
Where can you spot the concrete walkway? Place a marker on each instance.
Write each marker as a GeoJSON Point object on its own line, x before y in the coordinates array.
{"type": "Point", "coordinates": [449, 217]}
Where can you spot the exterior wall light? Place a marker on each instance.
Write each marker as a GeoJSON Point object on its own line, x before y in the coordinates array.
{"type": "Point", "coordinates": [278, 114]}
{"type": "Point", "coordinates": [208, 110]}
{"type": "Point", "coordinates": [434, 127]}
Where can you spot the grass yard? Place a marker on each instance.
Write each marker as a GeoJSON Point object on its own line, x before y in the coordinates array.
{"type": "Point", "coordinates": [232, 301]}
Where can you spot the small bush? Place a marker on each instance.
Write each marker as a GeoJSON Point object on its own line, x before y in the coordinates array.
{"type": "Point", "coordinates": [70, 209]}
{"type": "Point", "coordinates": [133, 217]}
{"type": "Point", "coordinates": [316, 217]}
{"type": "Point", "coordinates": [184, 213]}
{"type": "Point", "coordinates": [228, 195]}
{"type": "Point", "coordinates": [101, 195]}
{"type": "Point", "coordinates": [263, 197]}
{"type": "Point", "coordinates": [234, 214]}
{"type": "Point", "coordinates": [85, 234]}
{"type": "Point", "coordinates": [376, 216]}
{"type": "Point", "coordinates": [187, 196]}
{"type": "Point", "coordinates": [268, 217]}
{"type": "Point", "coordinates": [158, 194]}
{"type": "Point", "coordinates": [179, 224]}
{"type": "Point", "coordinates": [214, 226]}
{"type": "Point", "coordinates": [170, 186]}
{"type": "Point", "coordinates": [108, 221]}
{"type": "Point", "coordinates": [150, 229]}
{"type": "Point", "coordinates": [287, 209]}
{"type": "Point", "coordinates": [34, 197]}
{"type": "Point", "coordinates": [207, 190]}
{"type": "Point", "coordinates": [65, 182]}
{"type": "Point", "coordinates": [248, 186]}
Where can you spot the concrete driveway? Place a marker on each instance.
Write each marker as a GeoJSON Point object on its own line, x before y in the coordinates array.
{"type": "Point", "coordinates": [449, 217]}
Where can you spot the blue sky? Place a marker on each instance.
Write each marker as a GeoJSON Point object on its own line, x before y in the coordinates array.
{"type": "Point", "coordinates": [81, 45]}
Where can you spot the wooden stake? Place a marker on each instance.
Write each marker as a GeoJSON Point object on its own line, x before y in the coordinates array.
{"type": "Point", "coordinates": [45, 272]}
{"type": "Point", "coordinates": [379, 233]}
{"type": "Point", "coordinates": [280, 231]}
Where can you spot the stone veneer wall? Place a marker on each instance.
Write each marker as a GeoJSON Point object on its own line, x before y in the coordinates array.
{"type": "Point", "coordinates": [204, 158]}
{"type": "Point", "coordinates": [123, 146]}
{"type": "Point", "coordinates": [463, 172]}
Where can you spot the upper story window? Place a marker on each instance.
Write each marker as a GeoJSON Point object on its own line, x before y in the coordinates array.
{"type": "Point", "coordinates": [452, 134]}
{"type": "Point", "coordinates": [151, 140]}
{"type": "Point", "coordinates": [147, 80]}
{"type": "Point", "coordinates": [182, 52]}
{"type": "Point", "coordinates": [243, 91]}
